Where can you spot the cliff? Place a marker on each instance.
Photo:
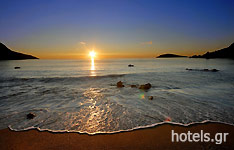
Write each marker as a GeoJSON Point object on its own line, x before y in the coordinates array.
{"type": "Point", "coordinates": [7, 54]}
{"type": "Point", "coordinates": [222, 53]}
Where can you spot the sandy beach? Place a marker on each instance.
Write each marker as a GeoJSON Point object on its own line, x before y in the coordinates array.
{"type": "Point", "coordinates": [158, 137]}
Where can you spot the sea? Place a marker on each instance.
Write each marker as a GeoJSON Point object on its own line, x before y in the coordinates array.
{"type": "Point", "coordinates": [82, 96]}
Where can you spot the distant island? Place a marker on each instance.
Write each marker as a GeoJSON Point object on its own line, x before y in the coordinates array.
{"type": "Point", "coordinates": [169, 56]}
{"type": "Point", "coordinates": [7, 54]}
{"type": "Point", "coordinates": [222, 53]}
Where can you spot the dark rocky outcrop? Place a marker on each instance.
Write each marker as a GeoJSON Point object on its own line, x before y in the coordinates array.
{"type": "Point", "coordinates": [169, 56]}
{"type": "Point", "coordinates": [7, 54]}
{"type": "Point", "coordinates": [222, 53]}
{"type": "Point", "coordinates": [206, 70]}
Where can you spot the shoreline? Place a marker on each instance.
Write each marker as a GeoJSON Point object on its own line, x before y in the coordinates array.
{"type": "Point", "coordinates": [157, 137]}
{"type": "Point", "coordinates": [120, 131]}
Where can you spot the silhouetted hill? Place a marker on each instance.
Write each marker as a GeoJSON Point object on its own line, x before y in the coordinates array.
{"type": "Point", "coordinates": [222, 53]}
{"type": "Point", "coordinates": [7, 54]}
{"type": "Point", "coordinates": [169, 56]}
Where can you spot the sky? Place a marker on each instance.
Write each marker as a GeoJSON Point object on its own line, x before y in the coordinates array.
{"type": "Point", "coordinates": [69, 29]}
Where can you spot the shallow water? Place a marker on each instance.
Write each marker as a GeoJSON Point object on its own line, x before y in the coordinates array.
{"type": "Point", "coordinates": [74, 95]}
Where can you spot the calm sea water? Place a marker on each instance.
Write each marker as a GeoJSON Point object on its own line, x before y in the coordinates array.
{"type": "Point", "coordinates": [81, 96]}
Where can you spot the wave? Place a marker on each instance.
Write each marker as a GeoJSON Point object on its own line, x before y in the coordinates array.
{"type": "Point", "coordinates": [55, 79]}
{"type": "Point", "coordinates": [119, 131]}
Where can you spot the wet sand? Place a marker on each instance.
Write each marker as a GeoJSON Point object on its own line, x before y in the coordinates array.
{"type": "Point", "coordinates": [158, 137]}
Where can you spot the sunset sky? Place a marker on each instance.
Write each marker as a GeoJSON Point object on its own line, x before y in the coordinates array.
{"type": "Point", "coordinates": [53, 29]}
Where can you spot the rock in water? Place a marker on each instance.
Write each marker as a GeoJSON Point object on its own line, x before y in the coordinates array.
{"type": "Point", "coordinates": [17, 67]}
{"type": "Point", "coordinates": [120, 84]}
{"type": "Point", "coordinates": [30, 116]}
{"type": "Point", "coordinates": [214, 70]}
{"type": "Point", "coordinates": [130, 65]}
{"type": "Point", "coordinates": [206, 70]}
{"type": "Point", "coordinates": [151, 97]}
{"type": "Point", "coordinates": [145, 87]}
{"type": "Point", "coordinates": [133, 86]}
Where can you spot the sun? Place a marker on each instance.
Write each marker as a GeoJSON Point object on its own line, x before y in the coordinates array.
{"type": "Point", "coordinates": [92, 54]}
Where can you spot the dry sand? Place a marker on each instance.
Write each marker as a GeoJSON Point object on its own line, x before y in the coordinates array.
{"type": "Point", "coordinates": [158, 137]}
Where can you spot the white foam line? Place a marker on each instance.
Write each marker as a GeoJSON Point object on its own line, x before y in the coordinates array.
{"type": "Point", "coordinates": [135, 128]}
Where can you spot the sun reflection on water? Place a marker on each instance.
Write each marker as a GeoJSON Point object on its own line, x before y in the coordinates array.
{"type": "Point", "coordinates": [96, 114]}
{"type": "Point", "coordinates": [93, 73]}
{"type": "Point", "coordinates": [92, 55]}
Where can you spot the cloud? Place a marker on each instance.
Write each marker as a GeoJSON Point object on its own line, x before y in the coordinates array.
{"type": "Point", "coordinates": [147, 43]}
{"type": "Point", "coordinates": [82, 43]}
